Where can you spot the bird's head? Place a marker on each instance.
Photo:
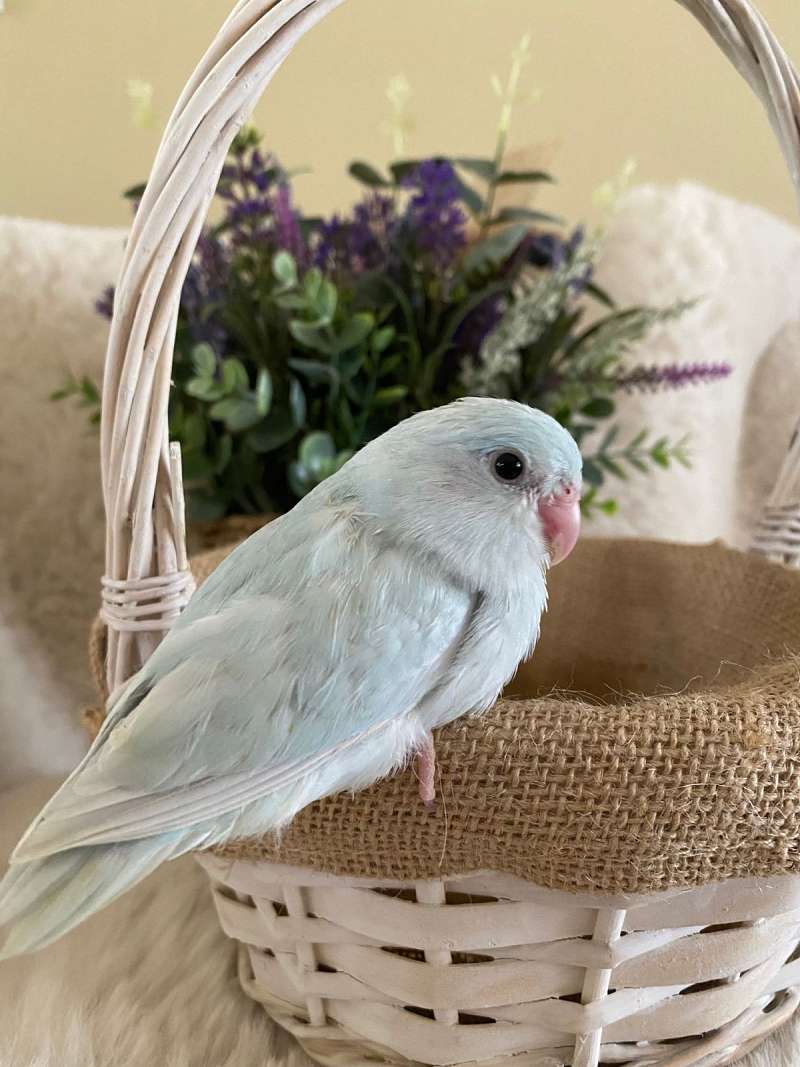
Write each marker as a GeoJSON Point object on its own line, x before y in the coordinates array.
{"type": "Point", "coordinates": [490, 487]}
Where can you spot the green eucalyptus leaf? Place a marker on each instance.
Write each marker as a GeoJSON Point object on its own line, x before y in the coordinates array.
{"type": "Point", "coordinates": [393, 394]}
{"type": "Point", "coordinates": [315, 370]}
{"type": "Point", "coordinates": [312, 282]}
{"type": "Point", "coordinates": [278, 430]}
{"type": "Point", "coordinates": [315, 449]}
{"type": "Point", "coordinates": [355, 331]}
{"type": "Point", "coordinates": [204, 389]}
{"type": "Point", "coordinates": [297, 402]}
{"type": "Point", "coordinates": [367, 175]}
{"type": "Point", "coordinates": [284, 268]}
{"type": "Point", "coordinates": [223, 408]}
{"type": "Point", "coordinates": [325, 301]}
{"type": "Point", "coordinates": [193, 431]}
{"type": "Point", "coordinates": [263, 391]}
{"type": "Point", "coordinates": [234, 376]}
{"type": "Point", "coordinates": [238, 413]}
{"type": "Point", "coordinates": [495, 249]}
{"type": "Point", "coordinates": [290, 301]}
{"type": "Point", "coordinates": [204, 360]}
{"type": "Point", "coordinates": [246, 416]}
{"type": "Point", "coordinates": [310, 336]}
{"type": "Point", "coordinates": [383, 338]}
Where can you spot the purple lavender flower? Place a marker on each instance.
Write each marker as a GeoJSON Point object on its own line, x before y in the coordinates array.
{"type": "Point", "coordinates": [245, 186]}
{"type": "Point", "coordinates": [478, 324]}
{"type": "Point", "coordinates": [468, 338]}
{"type": "Point", "coordinates": [371, 232]}
{"type": "Point", "coordinates": [104, 305]}
{"type": "Point", "coordinates": [361, 243]}
{"type": "Point", "coordinates": [550, 251]}
{"type": "Point", "coordinates": [331, 240]}
{"type": "Point", "coordinates": [434, 218]}
{"type": "Point", "coordinates": [203, 291]}
{"type": "Point", "coordinates": [672, 376]}
{"type": "Point", "coordinates": [286, 224]}
{"type": "Point", "coordinates": [545, 250]}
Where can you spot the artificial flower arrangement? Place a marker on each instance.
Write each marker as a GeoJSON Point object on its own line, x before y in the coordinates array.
{"type": "Point", "coordinates": [299, 339]}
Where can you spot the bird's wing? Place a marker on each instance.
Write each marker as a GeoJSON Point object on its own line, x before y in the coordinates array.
{"type": "Point", "coordinates": [269, 687]}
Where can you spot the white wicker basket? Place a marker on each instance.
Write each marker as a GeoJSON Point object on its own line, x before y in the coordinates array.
{"type": "Point", "coordinates": [366, 971]}
{"type": "Point", "coordinates": [484, 968]}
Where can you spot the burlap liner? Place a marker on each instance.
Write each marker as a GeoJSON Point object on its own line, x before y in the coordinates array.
{"type": "Point", "coordinates": [695, 782]}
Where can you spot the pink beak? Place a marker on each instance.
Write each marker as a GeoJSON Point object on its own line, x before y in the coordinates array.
{"type": "Point", "coordinates": [561, 521]}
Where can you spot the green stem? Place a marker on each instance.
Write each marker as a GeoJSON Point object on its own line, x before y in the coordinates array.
{"type": "Point", "coordinates": [504, 126]}
{"type": "Point", "coordinates": [499, 155]}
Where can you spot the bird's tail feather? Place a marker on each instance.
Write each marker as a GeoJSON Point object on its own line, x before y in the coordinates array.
{"type": "Point", "coordinates": [43, 899]}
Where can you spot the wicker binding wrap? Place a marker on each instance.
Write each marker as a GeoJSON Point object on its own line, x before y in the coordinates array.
{"type": "Point", "coordinates": [622, 887]}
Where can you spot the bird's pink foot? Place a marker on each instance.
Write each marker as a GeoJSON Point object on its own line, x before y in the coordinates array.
{"type": "Point", "coordinates": [426, 771]}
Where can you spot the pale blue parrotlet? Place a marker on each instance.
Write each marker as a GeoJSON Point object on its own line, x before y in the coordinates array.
{"type": "Point", "coordinates": [399, 594]}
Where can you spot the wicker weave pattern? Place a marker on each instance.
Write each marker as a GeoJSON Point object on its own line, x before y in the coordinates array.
{"type": "Point", "coordinates": [778, 534]}
{"type": "Point", "coordinates": [484, 967]}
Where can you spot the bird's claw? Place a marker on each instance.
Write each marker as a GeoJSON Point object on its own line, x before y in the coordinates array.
{"type": "Point", "coordinates": [426, 771]}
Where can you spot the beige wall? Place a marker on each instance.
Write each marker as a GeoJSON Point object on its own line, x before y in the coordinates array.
{"type": "Point", "coordinates": [619, 78]}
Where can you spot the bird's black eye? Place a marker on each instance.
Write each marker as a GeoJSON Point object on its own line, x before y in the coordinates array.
{"type": "Point", "coordinates": [508, 466]}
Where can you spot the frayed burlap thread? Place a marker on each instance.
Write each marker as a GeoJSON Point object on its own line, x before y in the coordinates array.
{"type": "Point", "coordinates": [587, 789]}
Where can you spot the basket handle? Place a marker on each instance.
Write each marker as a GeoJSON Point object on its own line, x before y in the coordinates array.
{"type": "Point", "coordinates": [147, 580]}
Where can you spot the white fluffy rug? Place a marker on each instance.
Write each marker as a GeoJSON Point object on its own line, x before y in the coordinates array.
{"type": "Point", "coordinates": [150, 982]}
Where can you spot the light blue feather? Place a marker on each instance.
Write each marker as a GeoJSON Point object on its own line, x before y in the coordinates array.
{"type": "Point", "coordinates": [400, 594]}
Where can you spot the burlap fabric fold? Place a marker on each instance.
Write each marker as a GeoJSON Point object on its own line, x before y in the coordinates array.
{"type": "Point", "coordinates": [693, 781]}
